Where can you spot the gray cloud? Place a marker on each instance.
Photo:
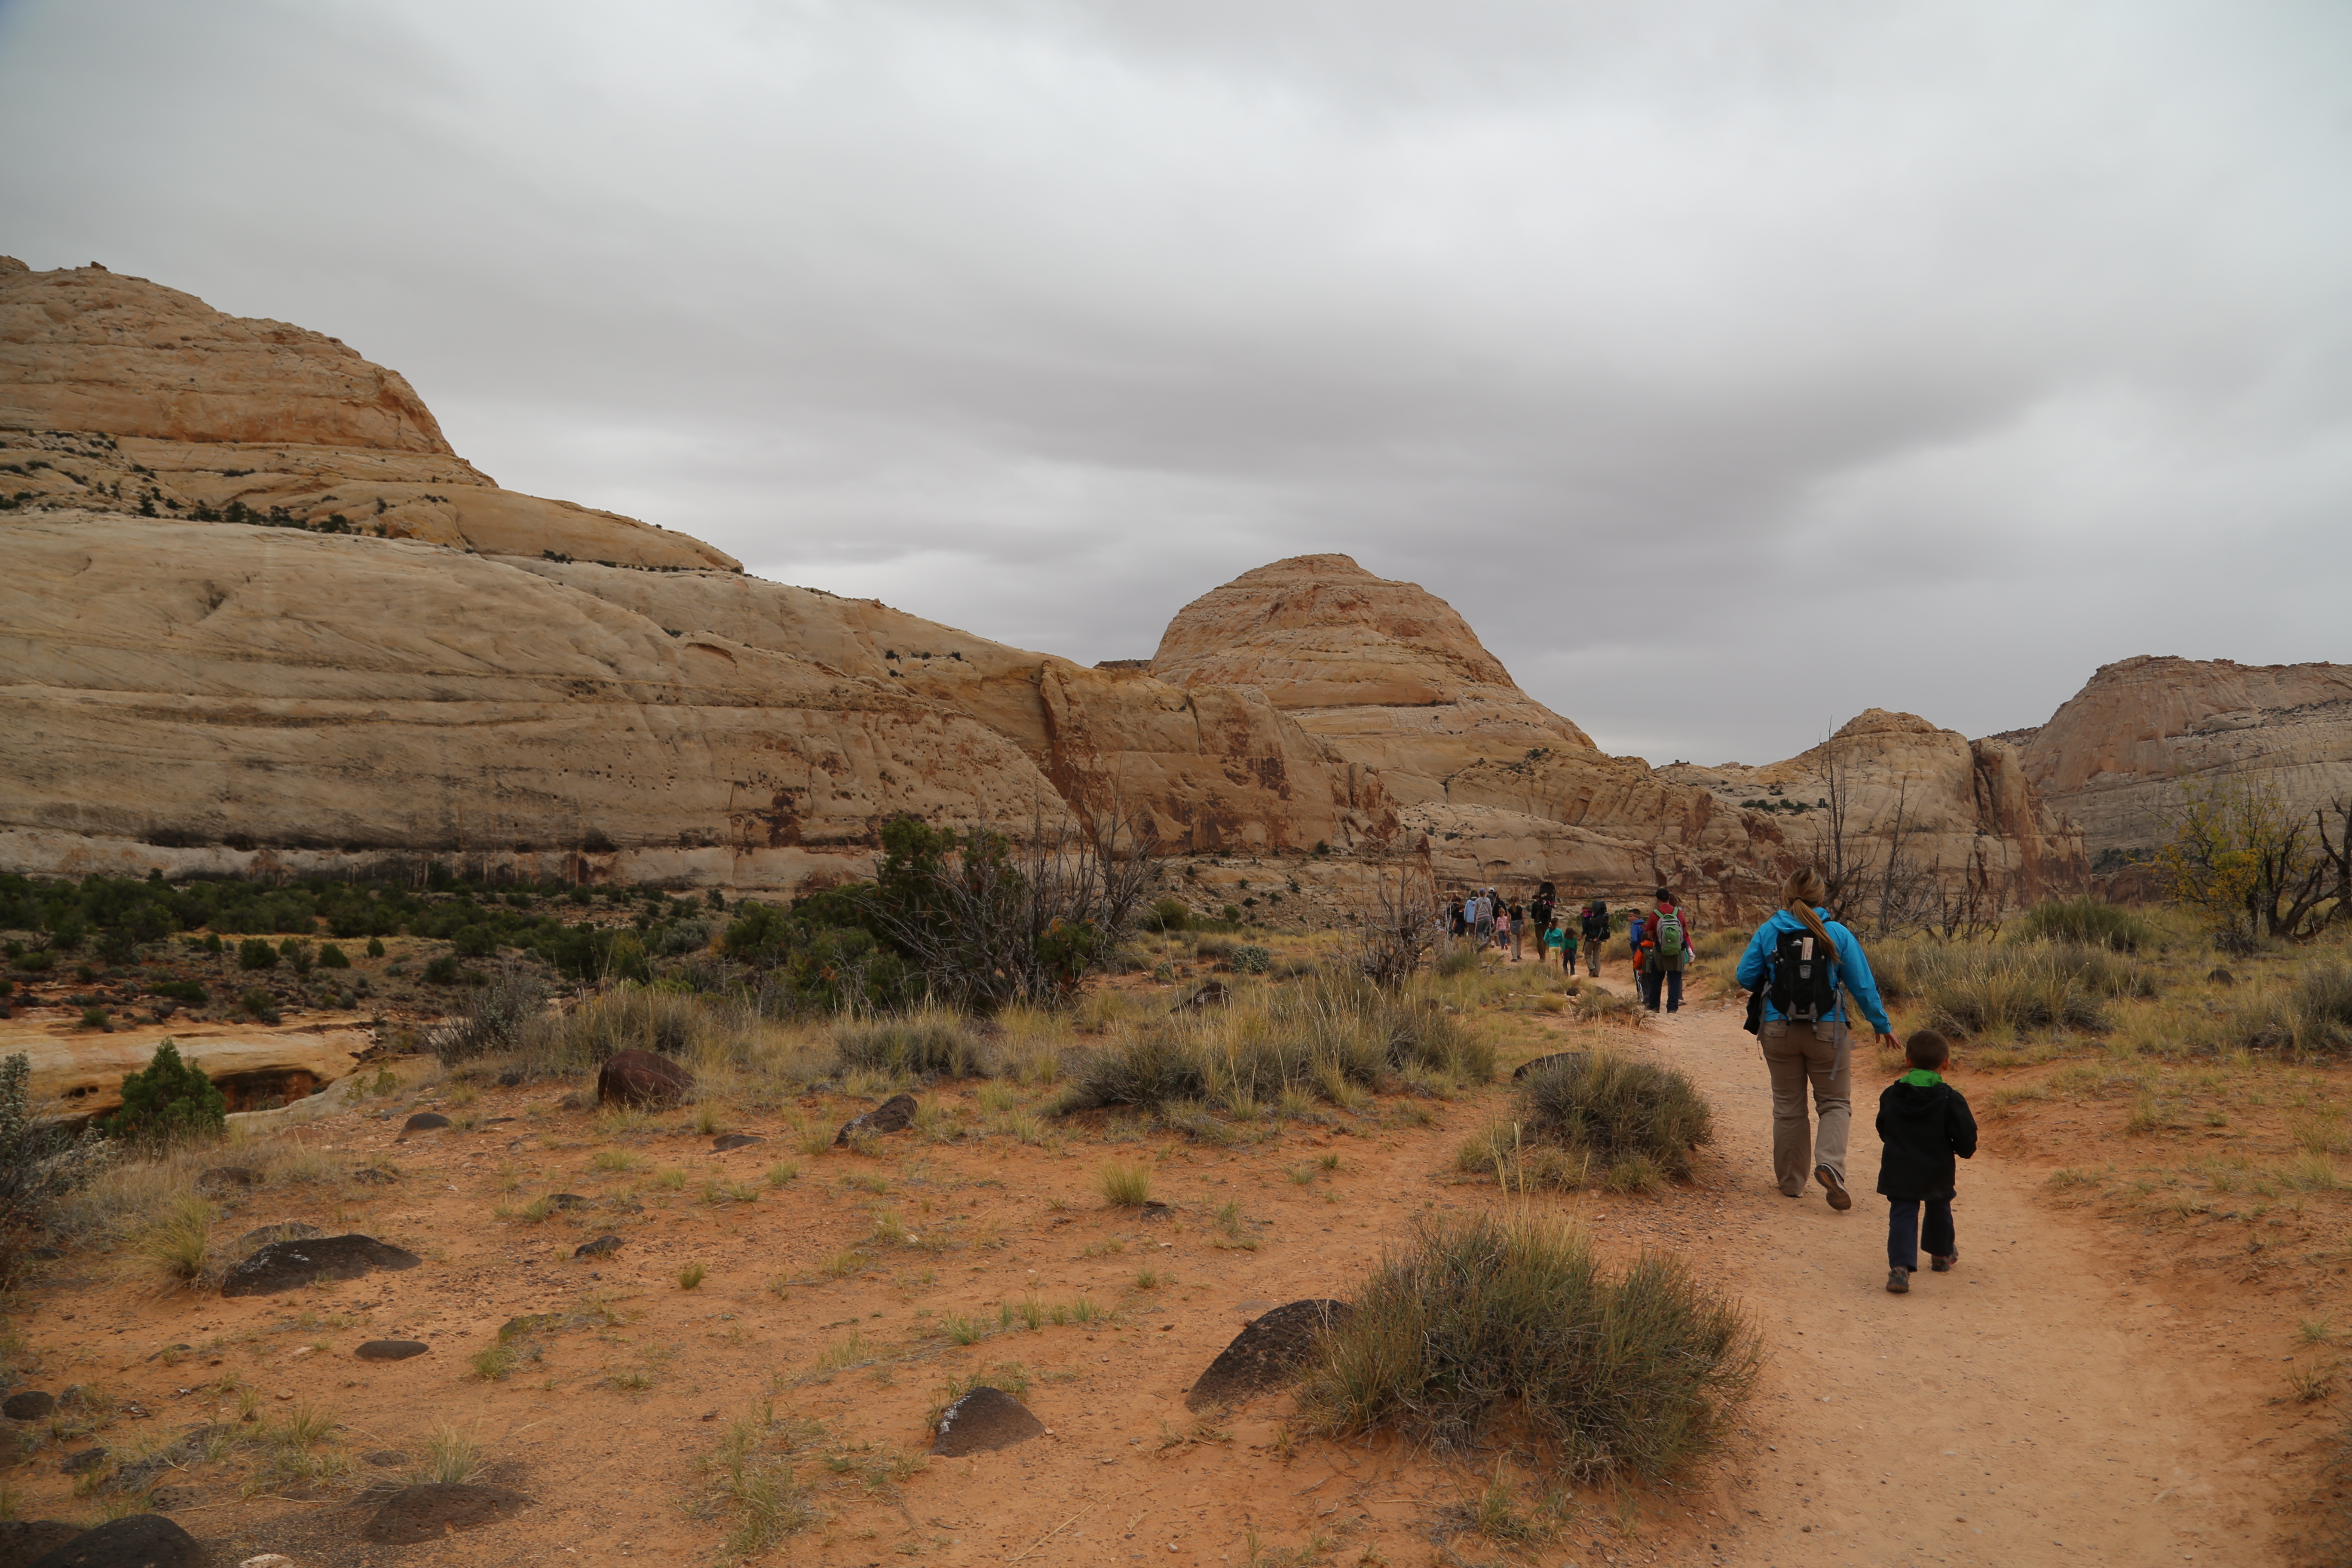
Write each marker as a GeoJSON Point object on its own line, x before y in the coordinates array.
{"type": "Point", "coordinates": [1677, 345]}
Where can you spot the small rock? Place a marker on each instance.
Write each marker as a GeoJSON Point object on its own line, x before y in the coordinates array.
{"type": "Point", "coordinates": [1264, 1354]}
{"type": "Point", "coordinates": [284, 1230]}
{"type": "Point", "coordinates": [138, 1541]}
{"type": "Point", "coordinates": [83, 1463]}
{"type": "Point", "coordinates": [169, 1499]}
{"type": "Point", "coordinates": [430, 1511]}
{"type": "Point", "coordinates": [895, 1114]}
{"type": "Point", "coordinates": [984, 1421]}
{"type": "Point", "coordinates": [727, 1141]}
{"type": "Point", "coordinates": [228, 1178]}
{"type": "Point", "coordinates": [602, 1247]}
{"type": "Point", "coordinates": [385, 1459]}
{"type": "Point", "coordinates": [423, 1121]}
{"type": "Point", "coordinates": [641, 1078]}
{"type": "Point", "coordinates": [510, 1079]}
{"type": "Point", "coordinates": [28, 1405]}
{"type": "Point", "coordinates": [566, 1201]}
{"type": "Point", "coordinates": [389, 1350]}
{"type": "Point", "coordinates": [288, 1265]}
{"type": "Point", "coordinates": [23, 1541]}
{"type": "Point", "coordinates": [2222, 977]}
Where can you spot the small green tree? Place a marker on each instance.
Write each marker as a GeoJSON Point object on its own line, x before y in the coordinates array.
{"type": "Point", "coordinates": [169, 1098]}
{"type": "Point", "coordinates": [254, 953]}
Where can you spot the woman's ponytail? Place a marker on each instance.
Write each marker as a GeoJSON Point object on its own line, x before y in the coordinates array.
{"type": "Point", "coordinates": [1798, 894]}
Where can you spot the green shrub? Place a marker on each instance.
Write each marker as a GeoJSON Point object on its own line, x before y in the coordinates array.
{"type": "Point", "coordinates": [1251, 959]}
{"type": "Point", "coordinates": [1126, 1185]}
{"type": "Point", "coordinates": [213, 942]}
{"type": "Point", "coordinates": [930, 1043]}
{"type": "Point", "coordinates": [2092, 921]}
{"type": "Point", "coordinates": [475, 942]}
{"type": "Point", "coordinates": [493, 1018]}
{"type": "Point", "coordinates": [1165, 915]}
{"type": "Point", "coordinates": [254, 953]}
{"type": "Point", "coordinates": [1618, 1110]}
{"type": "Point", "coordinates": [96, 1018]}
{"type": "Point", "coordinates": [259, 1004]}
{"type": "Point", "coordinates": [168, 1099]}
{"type": "Point", "coordinates": [441, 971]}
{"type": "Point", "coordinates": [1481, 1320]}
{"type": "Point", "coordinates": [186, 990]}
{"type": "Point", "coordinates": [375, 947]}
{"type": "Point", "coordinates": [38, 1164]}
{"type": "Point", "coordinates": [333, 957]}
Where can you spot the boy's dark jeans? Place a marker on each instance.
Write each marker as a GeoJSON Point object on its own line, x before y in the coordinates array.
{"type": "Point", "coordinates": [1902, 1238]}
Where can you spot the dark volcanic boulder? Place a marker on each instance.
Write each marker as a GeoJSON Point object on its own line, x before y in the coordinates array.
{"type": "Point", "coordinates": [602, 1247]}
{"type": "Point", "coordinates": [28, 1405]}
{"type": "Point", "coordinates": [391, 1350]}
{"type": "Point", "coordinates": [641, 1078]}
{"type": "Point", "coordinates": [424, 1122]}
{"type": "Point", "coordinates": [23, 1541]}
{"type": "Point", "coordinates": [288, 1265]}
{"type": "Point", "coordinates": [984, 1421]}
{"type": "Point", "coordinates": [895, 1114]}
{"type": "Point", "coordinates": [432, 1510]}
{"type": "Point", "coordinates": [1264, 1354]}
{"type": "Point", "coordinates": [138, 1541]}
{"type": "Point", "coordinates": [1573, 1060]}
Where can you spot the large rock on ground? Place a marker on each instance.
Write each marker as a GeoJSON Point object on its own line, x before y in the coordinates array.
{"type": "Point", "coordinates": [136, 1541]}
{"type": "Point", "coordinates": [641, 1078]}
{"type": "Point", "coordinates": [416, 1514]}
{"type": "Point", "coordinates": [290, 1265]}
{"type": "Point", "coordinates": [984, 1421]}
{"type": "Point", "coordinates": [2115, 753]}
{"type": "Point", "coordinates": [1265, 1354]}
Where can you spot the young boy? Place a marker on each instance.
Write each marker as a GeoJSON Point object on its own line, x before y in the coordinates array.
{"type": "Point", "coordinates": [1923, 1122]}
{"type": "Point", "coordinates": [1569, 931]}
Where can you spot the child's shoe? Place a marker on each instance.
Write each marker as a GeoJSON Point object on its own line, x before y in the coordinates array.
{"type": "Point", "coordinates": [1898, 1281]}
{"type": "Point", "coordinates": [1943, 1265]}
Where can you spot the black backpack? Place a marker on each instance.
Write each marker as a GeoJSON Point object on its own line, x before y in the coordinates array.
{"type": "Point", "coordinates": [1802, 978]}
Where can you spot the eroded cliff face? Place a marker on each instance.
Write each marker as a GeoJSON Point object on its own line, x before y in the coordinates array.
{"type": "Point", "coordinates": [2115, 755]}
{"type": "Point", "coordinates": [120, 393]}
{"type": "Point", "coordinates": [1500, 788]}
{"type": "Point", "coordinates": [1967, 814]}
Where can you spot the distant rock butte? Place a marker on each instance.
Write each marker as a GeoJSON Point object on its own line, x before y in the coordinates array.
{"type": "Point", "coordinates": [1969, 812]}
{"type": "Point", "coordinates": [113, 383]}
{"type": "Point", "coordinates": [2115, 754]}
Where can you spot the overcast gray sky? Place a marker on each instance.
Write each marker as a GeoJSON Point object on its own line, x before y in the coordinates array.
{"type": "Point", "coordinates": [1731, 367]}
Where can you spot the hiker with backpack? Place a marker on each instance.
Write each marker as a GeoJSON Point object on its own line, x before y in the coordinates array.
{"type": "Point", "coordinates": [1596, 935]}
{"type": "Point", "coordinates": [1669, 949]}
{"type": "Point", "coordinates": [1796, 966]}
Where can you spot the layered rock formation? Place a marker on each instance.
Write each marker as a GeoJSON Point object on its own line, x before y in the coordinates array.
{"type": "Point", "coordinates": [1919, 799]}
{"type": "Point", "coordinates": [260, 615]}
{"type": "Point", "coordinates": [2115, 755]}
{"type": "Point", "coordinates": [120, 393]}
{"type": "Point", "coordinates": [1500, 787]}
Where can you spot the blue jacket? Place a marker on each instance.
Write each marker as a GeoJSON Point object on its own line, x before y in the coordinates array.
{"type": "Point", "coordinates": [1851, 971]}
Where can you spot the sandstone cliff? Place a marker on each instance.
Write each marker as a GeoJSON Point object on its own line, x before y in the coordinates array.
{"type": "Point", "coordinates": [1500, 787]}
{"type": "Point", "coordinates": [1920, 798]}
{"type": "Point", "coordinates": [2113, 756]}
{"type": "Point", "coordinates": [120, 393]}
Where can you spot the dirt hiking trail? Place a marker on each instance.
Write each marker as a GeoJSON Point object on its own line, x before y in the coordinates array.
{"type": "Point", "coordinates": [2033, 1405]}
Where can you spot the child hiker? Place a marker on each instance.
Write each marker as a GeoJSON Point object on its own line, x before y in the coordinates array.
{"type": "Point", "coordinates": [1923, 1122]}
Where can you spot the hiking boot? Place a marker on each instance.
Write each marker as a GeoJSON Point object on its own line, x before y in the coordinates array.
{"type": "Point", "coordinates": [1943, 1265]}
{"type": "Point", "coordinates": [1840, 1199]}
{"type": "Point", "coordinates": [1898, 1281]}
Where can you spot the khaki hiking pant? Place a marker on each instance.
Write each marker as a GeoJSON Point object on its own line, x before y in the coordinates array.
{"type": "Point", "coordinates": [1823, 1056]}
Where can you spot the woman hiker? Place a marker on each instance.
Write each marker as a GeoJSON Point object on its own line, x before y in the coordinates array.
{"type": "Point", "coordinates": [1799, 962]}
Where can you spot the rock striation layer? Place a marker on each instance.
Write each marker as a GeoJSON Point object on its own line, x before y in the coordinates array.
{"type": "Point", "coordinates": [2115, 755]}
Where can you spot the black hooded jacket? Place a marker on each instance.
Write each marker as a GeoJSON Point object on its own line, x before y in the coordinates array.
{"type": "Point", "coordinates": [1922, 1126]}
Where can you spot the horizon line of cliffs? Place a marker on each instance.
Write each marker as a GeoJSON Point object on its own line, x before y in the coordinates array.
{"type": "Point", "coordinates": [260, 617]}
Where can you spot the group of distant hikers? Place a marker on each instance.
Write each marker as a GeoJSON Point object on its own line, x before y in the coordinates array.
{"type": "Point", "coordinates": [1798, 969]}
{"type": "Point", "coordinates": [1661, 936]}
